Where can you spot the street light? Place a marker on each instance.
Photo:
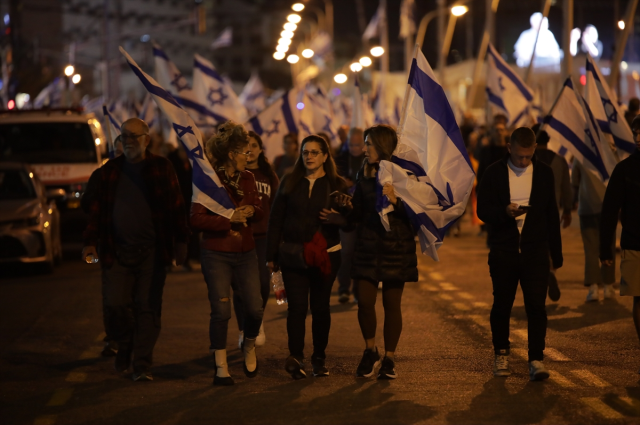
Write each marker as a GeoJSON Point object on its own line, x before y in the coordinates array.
{"type": "Point", "coordinates": [286, 34]}
{"type": "Point", "coordinates": [621, 24]}
{"type": "Point", "coordinates": [69, 70]}
{"type": "Point", "coordinates": [355, 67]}
{"type": "Point", "coordinates": [308, 53]}
{"type": "Point", "coordinates": [377, 51]}
{"type": "Point", "coordinates": [282, 48]}
{"type": "Point", "coordinates": [297, 7]}
{"type": "Point", "coordinates": [294, 18]}
{"type": "Point", "coordinates": [365, 61]}
{"type": "Point", "coordinates": [284, 41]}
{"type": "Point", "coordinates": [76, 79]}
{"type": "Point", "coordinates": [278, 56]}
{"type": "Point", "coordinates": [340, 78]}
{"type": "Point", "coordinates": [459, 10]}
{"type": "Point", "coordinates": [293, 58]}
{"type": "Point", "coordinates": [290, 26]}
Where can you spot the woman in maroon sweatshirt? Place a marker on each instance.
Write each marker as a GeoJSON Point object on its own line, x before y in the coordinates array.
{"type": "Point", "coordinates": [267, 185]}
{"type": "Point", "coordinates": [228, 254]}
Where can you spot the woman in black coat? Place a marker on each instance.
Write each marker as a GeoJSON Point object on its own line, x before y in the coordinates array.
{"type": "Point", "coordinates": [380, 256]}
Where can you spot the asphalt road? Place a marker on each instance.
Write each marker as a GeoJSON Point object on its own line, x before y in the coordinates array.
{"type": "Point", "coordinates": [51, 372]}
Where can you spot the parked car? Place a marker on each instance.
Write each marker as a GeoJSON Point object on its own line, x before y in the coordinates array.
{"type": "Point", "coordinates": [29, 217]}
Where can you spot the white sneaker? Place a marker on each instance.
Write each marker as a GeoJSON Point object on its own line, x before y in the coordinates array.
{"type": "Point", "coordinates": [609, 292]}
{"type": "Point", "coordinates": [501, 366]}
{"type": "Point", "coordinates": [537, 371]}
{"type": "Point", "coordinates": [240, 339]}
{"type": "Point", "coordinates": [593, 293]}
{"type": "Point", "coordinates": [262, 338]}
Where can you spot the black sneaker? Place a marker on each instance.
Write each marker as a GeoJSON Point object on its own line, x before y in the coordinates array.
{"type": "Point", "coordinates": [318, 366]}
{"type": "Point", "coordinates": [387, 369]}
{"type": "Point", "coordinates": [123, 360]}
{"type": "Point", "coordinates": [554, 289]}
{"type": "Point", "coordinates": [295, 368]}
{"type": "Point", "coordinates": [369, 363]}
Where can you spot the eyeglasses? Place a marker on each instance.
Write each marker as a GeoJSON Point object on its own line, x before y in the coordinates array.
{"type": "Point", "coordinates": [131, 136]}
{"type": "Point", "coordinates": [311, 154]}
{"type": "Point", "coordinates": [247, 153]}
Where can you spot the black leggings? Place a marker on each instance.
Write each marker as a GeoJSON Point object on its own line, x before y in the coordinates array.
{"type": "Point", "coordinates": [391, 300]}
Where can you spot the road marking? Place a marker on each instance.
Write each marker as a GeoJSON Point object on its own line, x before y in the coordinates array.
{"type": "Point", "coordinates": [446, 297]}
{"type": "Point", "coordinates": [428, 287]}
{"type": "Point", "coordinates": [560, 380]}
{"type": "Point", "coordinates": [603, 409]}
{"type": "Point", "coordinates": [436, 276]}
{"type": "Point", "coordinates": [521, 333]}
{"type": "Point", "coordinates": [521, 352]}
{"type": "Point", "coordinates": [446, 286]}
{"type": "Point", "coordinates": [60, 396]}
{"type": "Point", "coordinates": [45, 420]}
{"type": "Point", "coordinates": [89, 354]}
{"type": "Point", "coordinates": [481, 321]}
{"type": "Point", "coordinates": [555, 355]}
{"type": "Point", "coordinates": [590, 378]}
{"type": "Point", "coordinates": [461, 306]}
{"type": "Point", "coordinates": [76, 377]}
{"type": "Point", "coordinates": [466, 295]}
{"type": "Point", "coordinates": [100, 337]}
{"type": "Point", "coordinates": [628, 403]}
{"type": "Point", "coordinates": [480, 304]}
{"type": "Point", "coordinates": [567, 315]}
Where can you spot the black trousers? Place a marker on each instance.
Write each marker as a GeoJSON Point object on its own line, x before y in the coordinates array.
{"type": "Point", "coordinates": [309, 288]}
{"type": "Point", "coordinates": [532, 271]}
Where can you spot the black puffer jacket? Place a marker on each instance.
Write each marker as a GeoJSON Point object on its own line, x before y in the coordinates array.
{"type": "Point", "coordinates": [381, 255]}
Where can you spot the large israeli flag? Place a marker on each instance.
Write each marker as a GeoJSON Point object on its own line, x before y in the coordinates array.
{"type": "Point", "coordinates": [606, 111]}
{"type": "Point", "coordinates": [253, 96]}
{"type": "Point", "coordinates": [571, 124]}
{"type": "Point", "coordinates": [322, 114]}
{"type": "Point", "coordinates": [506, 91]}
{"type": "Point", "coordinates": [430, 169]}
{"type": "Point", "coordinates": [362, 116]}
{"type": "Point", "coordinates": [207, 188]}
{"type": "Point", "coordinates": [148, 111]}
{"type": "Point", "coordinates": [213, 92]}
{"type": "Point", "coordinates": [172, 80]}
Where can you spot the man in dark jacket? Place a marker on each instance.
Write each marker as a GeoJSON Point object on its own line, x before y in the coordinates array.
{"type": "Point", "coordinates": [516, 197]}
{"type": "Point", "coordinates": [622, 199]}
{"type": "Point", "coordinates": [140, 222]}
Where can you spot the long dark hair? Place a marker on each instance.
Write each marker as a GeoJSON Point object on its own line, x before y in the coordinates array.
{"type": "Point", "coordinates": [336, 182]}
{"type": "Point", "coordinates": [263, 162]}
{"type": "Point", "coordinates": [384, 139]}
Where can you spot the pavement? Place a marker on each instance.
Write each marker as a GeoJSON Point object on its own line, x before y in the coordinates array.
{"type": "Point", "coordinates": [51, 371]}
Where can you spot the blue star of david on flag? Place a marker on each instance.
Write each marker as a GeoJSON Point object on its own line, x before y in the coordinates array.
{"type": "Point", "coordinates": [220, 98]}
{"type": "Point", "coordinates": [274, 129]}
{"type": "Point", "coordinates": [176, 82]}
{"type": "Point", "coordinates": [327, 127]}
{"type": "Point", "coordinates": [610, 110]}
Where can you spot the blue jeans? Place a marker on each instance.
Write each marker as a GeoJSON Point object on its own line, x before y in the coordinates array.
{"type": "Point", "coordinates": [222, 271]}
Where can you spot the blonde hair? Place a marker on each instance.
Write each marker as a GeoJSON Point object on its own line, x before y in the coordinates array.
{"type": "Point", "coordinates": [230, 137]}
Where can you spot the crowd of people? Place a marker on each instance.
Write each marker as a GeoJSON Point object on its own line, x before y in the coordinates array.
{"type": "Point", "coordinates": [312, 215]}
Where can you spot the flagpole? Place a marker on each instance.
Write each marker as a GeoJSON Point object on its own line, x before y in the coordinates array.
{"type": "Point", "coordinates": [555, 102]}
{"type": "Point", "coordinates": [545, 14]}
{"type": "Point", "coordinates": [110, 147]}
{"type": "Point", "coordinates": [405, 101]}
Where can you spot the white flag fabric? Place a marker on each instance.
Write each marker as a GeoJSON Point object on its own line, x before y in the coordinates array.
{"type": "Point", "coordinates": [372, 29]}
{"type": "Point", "coordinates": [506, 91]}
{"type": "Point", "coordinates": [51, 95]}
{"type": "Point", "coordinates": [207, 188]}
{"type": "Point", "coordinates": [606, 111]}
{"type": "Point", "coordinates": [214, 92]}
{"type": "Point", "coordinates": [571, 125]}
{"type": "Point", "coordinates": [342, 110]}
{"type": "Point", "coordinates": [322, 114]}
{"type": "Point", "coordinates": [385, 112]}
{"type": "Point", "coordinates": [148, 112]}
{"type": "Point", "coordinates": [253, 96]}
{"type": "Point", "coordinates": [172, 80]}
{"type": "Point", "coordinates": [362, 116]}
{"type": "Point", "coordinates": [430, 169]}
{"type": "Point", "coordinates": [407, 20]}
{"type": "Point", "coordinates": [225, 39]}
{"type": "Point", "coordinates": [112, 128]}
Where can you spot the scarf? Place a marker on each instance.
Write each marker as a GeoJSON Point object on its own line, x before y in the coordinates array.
{"type": "Point", "coordinates": [232, 182]}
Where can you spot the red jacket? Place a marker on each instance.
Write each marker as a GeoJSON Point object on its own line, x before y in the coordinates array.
{"type": "Point", "coordinates": [219, 234]}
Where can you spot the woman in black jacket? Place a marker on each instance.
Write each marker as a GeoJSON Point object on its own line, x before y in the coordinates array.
{"type": "Point", "coordinates": [302, 218]}
{"type": "Point", "coordinates": [380, 256]}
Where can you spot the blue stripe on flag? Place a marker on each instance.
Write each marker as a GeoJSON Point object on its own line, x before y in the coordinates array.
{"type": "Point", "coordinates": [160, 53]}
{"type": "Point", "coordinates": [208, 71]}
{"type": "Point", "coordinates": [436, 106]}
{"type": "Point", "coordinates": [495, 99]}
{"type": "Point", "coordinates": [578, 143]}
{"type": "Point", "coordinates": [201, 109]}
{"type": "Point", "coordinates": [288, 116]}
{"type": "Point", "coordinates": [591, 68]}
{"type": "Point", "coordinates": [416, 169]}
{"type": "Point", "coordinates": [257, 127]}
{"type": "Point", "coordinates": [511, 76]}
{"type": "Point", "coordinates": [155, 90]}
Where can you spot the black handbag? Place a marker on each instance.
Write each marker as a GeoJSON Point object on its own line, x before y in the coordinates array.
{"type": "Point", "coordinates": [132, 255]}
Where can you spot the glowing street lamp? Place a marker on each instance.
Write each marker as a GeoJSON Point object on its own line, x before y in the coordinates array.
{"type": "Point", "coordinates": [307, 53]}
{"type": "Point", "coordinates": [355, 67]}
{"type": "Point", "coordinates": [365, 61]}
{"type": "Point", "coordinates": [297, 7]}
{"type": "Point", "coordinates": [282, 48]}
{"type": "Point", "coordinates": [286, 34]}
{"type": "Point", "coordinates": [76, 79]}
{"type": "Point", "coordinates": [294, 18]}
{"type": "Point", "coordinates": [377, 51]}
{"type": "Point", "coordinates": [278, 56]}
{"type": "Point", "coordinates": [293, 58]}
{"type": "Point", "coordinates": [340, 78]}
{"type": "Point", "coordinates": [459, 10]}
{"type": "Point", "coordinates": [284, 41]}
{"type": "Point", "coordinates": [69, 70]}
{"type": "Point", "coordinates": [290, 26]}
{"type": "Point", "coordinates": [621, 24]}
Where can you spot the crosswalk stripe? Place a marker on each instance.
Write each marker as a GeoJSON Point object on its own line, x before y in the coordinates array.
{"type": "Point", "coordinates": [480, 304]}
{"type": "Point", "coordinates": [520, 352]}
{"type": "Point", "coordinates": [555, 355]}
{"type": "Point", "coordinates": [481, 321]}
{"type": "Point", "coordinates": [461, 306]}
{"type": "Point", "coordinates": [603, 409]}
{"type": "Point", "coordinates": [446, 286]}
{"type": "Point", "coordinates": [436, 276]}
{"type": "Point", "coordinates": [76, 377]}
{"type": "Point", "coordinates": [428, 287]}
{"type": "Point", "coordinates": [590, 378]}
{"type": "Point", "coordinates": [521, 333]}
{"type": "Point", "coordinates": [560, 380]}
{"type": "Point", "coordinates": [60, 396]}
{"type": "Point", "coordinates": [466, 295]}
{"type": "Point", "coordinates": [446, 297]}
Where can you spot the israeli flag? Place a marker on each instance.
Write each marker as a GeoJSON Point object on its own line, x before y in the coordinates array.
{"type": "Point", "coordinates": [372, 29]}
{"type": "Point", "coordinates": [225, 39]}
{"type": "Point", "coordinates": [112, 127]}
{"type": "Point", "coordinates": [51, 95]}
{"type": "Point", "coordinates": [571, 124]}
{"type": "Point", "coordinates": [430, 169]}
{"type": "Point", "coordinates": [253, 96]}
{"type": "Point", "coordinates": [207, 188]}
{"type": "Point", "coordinates": [383, 114]}
{"type": "Point", "coordinates": [213, 91]}
{"type": "Point", "coordinates": [148, 111]}
{"type": "Point", "coordinates": [172, 80]}
{"type": "Point", "coordinates": [342, 110]}
{"type": "Point", "coordinates": [506, 92]}
{"type": "Point", "coordinates": [362, 115]}
{"type": "Point", "coordinates": [322, 115]}
{"type": "Point", "coordinates": [275, 122]}
{"type": "Point", "coordinates": [606, 111]}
